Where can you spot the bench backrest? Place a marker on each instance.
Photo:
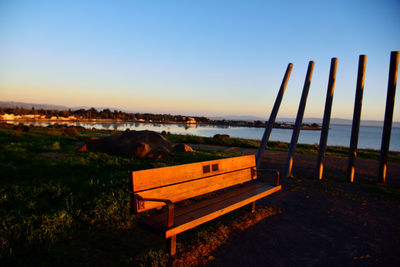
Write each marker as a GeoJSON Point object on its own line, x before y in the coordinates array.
{"type": "Point", "coordinates": [182, 182]}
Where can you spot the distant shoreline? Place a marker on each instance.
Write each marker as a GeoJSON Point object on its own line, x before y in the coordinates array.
{"type": "Point", "coordinates": [370, 137]}
{"type": "Point", "coordinates": [245, 118]}
{"type": "Point", "coordinates": [311, 127]}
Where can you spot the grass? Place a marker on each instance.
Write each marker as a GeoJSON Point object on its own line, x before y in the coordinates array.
{"type": "Point", "coordinates": [66, 208]}
{"type": "Point", "coordinates": [62, 207]}
{"type": "Point", "coordinates": [281, 146]}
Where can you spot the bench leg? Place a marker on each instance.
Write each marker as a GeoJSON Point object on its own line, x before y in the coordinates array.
{"type": "Point", "coordinates": [171, 245]}
{"type": "Point", "coordinates": [253, 207]}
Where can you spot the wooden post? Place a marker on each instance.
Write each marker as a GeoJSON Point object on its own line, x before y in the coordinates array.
{"type": "Point", "coordinates": [387, 125]}
{"type": "Point", "coordinates": [356, 117]}
{"type": "Point", "coordinates": [327, 117]}
{"type": "Point", "coordinates": [272, 117]}
{"type": "Point", "coordinates": [299, 120]}
{"type": "Point", "coordinates": [171, 245]}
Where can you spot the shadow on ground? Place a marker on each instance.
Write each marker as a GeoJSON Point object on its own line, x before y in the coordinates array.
{"type": "Point", "coordinates": [322, 223]}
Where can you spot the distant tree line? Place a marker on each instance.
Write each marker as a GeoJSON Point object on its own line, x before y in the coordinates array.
{"type": "Point", "coordinates": [92, 113]}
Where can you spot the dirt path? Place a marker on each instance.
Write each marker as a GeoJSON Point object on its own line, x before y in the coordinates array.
{"type": "Point", "coordinates": [304, 165]}
{"type": "Point", "coordinates": [322, 223]}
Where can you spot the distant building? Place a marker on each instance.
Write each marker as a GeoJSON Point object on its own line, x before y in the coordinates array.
{"type": "Point", "coordinates": [190, 120]}
{"type": "Point", "coordinates": [7, 117]}
{"type": "Point", "coordinates": [28, 116]}
{"type": "Point", "coordinates": [10, 117]}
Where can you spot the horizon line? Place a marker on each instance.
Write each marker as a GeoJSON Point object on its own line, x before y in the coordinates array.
{"type": "Point", "coordinates": [258, 117]}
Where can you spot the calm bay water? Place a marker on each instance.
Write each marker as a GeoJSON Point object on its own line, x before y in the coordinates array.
{"type": "Point", "coordinates": [339, 135]}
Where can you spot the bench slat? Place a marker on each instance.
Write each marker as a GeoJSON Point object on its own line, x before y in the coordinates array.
{"type": "Point", "coordinates": [159, 220]}
{"type": "Point", "coordinates": [142, 180]}
{"type": "Point", "coordinates": [179, 192]}
{"type": "Point", "coordinates": [212, 212]}
{"type": "Point", "coordinates": [205, 210]}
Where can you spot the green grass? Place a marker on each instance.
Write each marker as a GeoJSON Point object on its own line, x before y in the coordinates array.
{"type": "Point", "coordinates": [280, 146]}
{"type": "Point", "coordinates": [62, 207]}
{"type": "Point", "coordinates": [236, 142]}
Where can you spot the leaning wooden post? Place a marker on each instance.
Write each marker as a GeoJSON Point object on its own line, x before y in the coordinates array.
{"type": "Point", "coordinates": [356, 117]}
{"type": "Point", "coordinates": [387, 125]}
{"type": "Point", "coordinates": [327, 117]}
{"type": "Point", "coordinates": [272, 117]}
{"type": "Point", "coordinates": [299, 120]}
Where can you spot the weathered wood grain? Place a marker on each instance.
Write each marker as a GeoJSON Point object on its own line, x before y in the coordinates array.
{"type": "Point", "coordinates": [182, 191]}
{"type": "Point", "coordinates": [142, 180]}
{"type": "Point", "coordinates": [200, 216]}
{"type": "Point", "coordinates": [190, 216]}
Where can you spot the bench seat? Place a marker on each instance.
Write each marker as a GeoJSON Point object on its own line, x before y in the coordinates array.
{"type": "Point", "coordinates": [204, 210]}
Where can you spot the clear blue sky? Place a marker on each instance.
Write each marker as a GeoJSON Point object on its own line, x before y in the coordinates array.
{"type": "Point", "coordinates": [196, 57]}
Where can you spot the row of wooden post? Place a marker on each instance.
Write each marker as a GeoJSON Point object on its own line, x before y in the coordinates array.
{"type": "Point", "coordinates": [394, 62]}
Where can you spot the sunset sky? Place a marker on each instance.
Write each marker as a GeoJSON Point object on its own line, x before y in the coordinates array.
{"type": "Point", "coordinates": [196, 57]}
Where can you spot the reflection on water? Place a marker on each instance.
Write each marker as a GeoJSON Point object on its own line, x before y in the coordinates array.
{"type": "Point", "coordinates": [339, 135]}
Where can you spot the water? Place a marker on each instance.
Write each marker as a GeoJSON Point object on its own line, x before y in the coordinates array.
{"type": "Point", "coordinates": [339, 135]}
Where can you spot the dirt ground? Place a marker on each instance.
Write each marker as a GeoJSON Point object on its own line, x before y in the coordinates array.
{"type": "Point", "coordinates": [323, 223]}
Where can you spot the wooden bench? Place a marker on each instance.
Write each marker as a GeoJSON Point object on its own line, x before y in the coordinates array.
{"type": "Point", "coordinates": [155, 188]}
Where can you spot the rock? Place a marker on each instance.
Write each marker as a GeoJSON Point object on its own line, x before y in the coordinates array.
{"type": "Point", "coordinates": [70, 131]}
{"type": "Point", "coordinates": [21, 128]}
{"type": "Point", "coordinates": [140, 150]}
{"type": "Point", "coordinates": [221, 136]}
{"type": "Point", "coordinates": [138, 144]}
{"type": "Point", "coordinates": [83, 147]}
{"type": "Point", "coordinates": [105, 144]}
{"type": "Point", "coordinates": [183, 148]}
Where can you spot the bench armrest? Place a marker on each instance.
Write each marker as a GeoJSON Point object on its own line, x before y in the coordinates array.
{"type": "Point", "coordinates": [272, 170]}
{"type": "Point", "coordinates": [170, 205]}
